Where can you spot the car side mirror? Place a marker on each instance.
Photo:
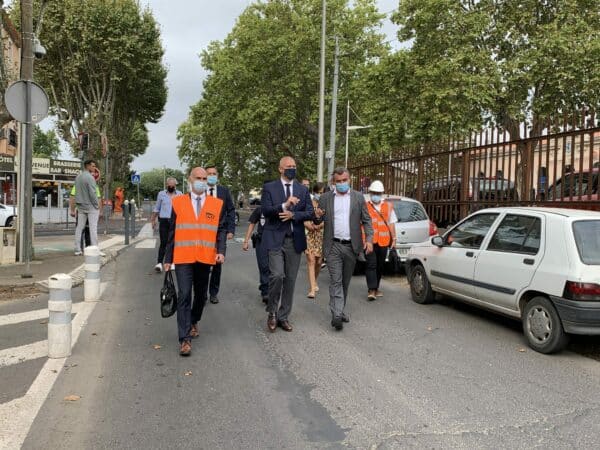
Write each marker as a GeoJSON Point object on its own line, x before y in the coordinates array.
{"type": "Point", "coordinates": [438, 241]}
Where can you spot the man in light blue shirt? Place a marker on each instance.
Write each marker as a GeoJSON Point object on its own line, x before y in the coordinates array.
{"type": "Point", "coordinates": [162, 212]}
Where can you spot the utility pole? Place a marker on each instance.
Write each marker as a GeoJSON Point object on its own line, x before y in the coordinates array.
{"type": "Point", "coordinates": [321, 147]}
{"type": "Point", "coordinates": [26, 149]}
{"type": "Point", "coordinates": [336, 73]}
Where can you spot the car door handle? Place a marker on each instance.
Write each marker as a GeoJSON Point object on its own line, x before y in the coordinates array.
{"type": "Point", "coordinates": [470, 254]}
{"type": "Point", "coordinates": [529, 261]}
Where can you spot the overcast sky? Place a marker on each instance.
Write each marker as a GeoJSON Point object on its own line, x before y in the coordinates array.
{"type": "Point", "coordinates": [187, 28]}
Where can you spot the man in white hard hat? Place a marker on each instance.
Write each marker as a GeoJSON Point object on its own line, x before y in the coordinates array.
{"type": "Point", "coordinates": [383, 218]}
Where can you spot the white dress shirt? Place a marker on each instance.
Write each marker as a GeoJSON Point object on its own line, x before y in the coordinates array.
{"type": "Point", "coordinates": [195, 203]}
{"type": "Point", "coordinates": [341, 216]}
{"type": "Point", "coordinates": [214, 192]}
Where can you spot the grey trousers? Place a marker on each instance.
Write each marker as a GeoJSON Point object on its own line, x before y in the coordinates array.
{"type": "Point", "coordinates": [283, 268]}
{"type": "Point", "coordinates": [91, 217]}
{"type": "Point", "coordinates": [340, 265]}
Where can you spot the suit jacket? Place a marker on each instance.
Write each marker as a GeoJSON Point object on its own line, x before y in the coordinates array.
{"type": "Point", "coordinates": [359, 220]}
{"type": "Point", "coordinates": [274, 231]}
{"type": "Point", "coordinates": [228, 210]}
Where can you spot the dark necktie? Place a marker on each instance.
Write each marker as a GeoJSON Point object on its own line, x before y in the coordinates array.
{"type": "Point", "coordinates": [211, 191]}
{"type": "Point", "coordinates": [288, 195]}
{"type": "Point", "coordinates": [198, 206]}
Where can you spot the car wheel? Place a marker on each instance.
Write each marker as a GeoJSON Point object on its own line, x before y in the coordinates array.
{"type": "Point", "coordinates": [420, 288]}
{"type": "Point", "coordinates": [542, 326]}
{"type": "Point", "coordinates": [10, 222]}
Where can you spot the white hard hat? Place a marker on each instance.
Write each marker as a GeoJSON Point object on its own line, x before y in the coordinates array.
{"type": "Point", "coordinates": [376, 186]}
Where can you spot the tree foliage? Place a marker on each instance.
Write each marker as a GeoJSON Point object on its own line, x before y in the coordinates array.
{"type": "Point", "coordinates": [45, 143]}
{"type": "Point", "coordinates": [260, 99]}
{"type": "Point", "coordinates": [104, 73]}
{"type": "Point", "coordinates": [498, 60]}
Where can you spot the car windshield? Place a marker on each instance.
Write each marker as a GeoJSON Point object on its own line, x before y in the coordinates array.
{"type": "Point", "coordinates": [587, 238]}
{"type": "Point", "coordinates": [408, 211]}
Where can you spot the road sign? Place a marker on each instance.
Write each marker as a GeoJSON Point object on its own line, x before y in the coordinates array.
{"type": "Point", "coordinates": [15, 99]}
{"type": "Point", "coordinates": [135, 178]}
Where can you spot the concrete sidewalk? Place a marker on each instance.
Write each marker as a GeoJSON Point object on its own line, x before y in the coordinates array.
{"type": "Point", "coordinates": [54, 254]}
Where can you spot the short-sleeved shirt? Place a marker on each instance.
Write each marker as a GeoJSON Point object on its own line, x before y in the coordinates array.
{"type": "Point", "coordinates": [163, 206]}
{"type": "Point", "coordinates": [258, 219]}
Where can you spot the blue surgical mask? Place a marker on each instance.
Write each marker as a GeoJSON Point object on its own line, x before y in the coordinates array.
{"type": "Point", "coordinates": [212, 179]}
{"type": "Point", "coordinates": [199, 186]}
{"type": "Point", "coordinates": [317, 196]}
{"type": "Point", "coordinates": [290, 174]}
{"type": "Point", "coordinates": [376, 198]}
{"type": "Point", "coordinates": [342, 188]}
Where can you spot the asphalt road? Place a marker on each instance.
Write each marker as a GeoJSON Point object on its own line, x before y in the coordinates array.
{"type": "Point", "coordinates": [399, 375]}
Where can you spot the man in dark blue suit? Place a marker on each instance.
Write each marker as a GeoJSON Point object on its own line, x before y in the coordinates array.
{"type": "Point", "coordinates": [286, 205]}
{"type": "Point", "coordinates": [228, 213]}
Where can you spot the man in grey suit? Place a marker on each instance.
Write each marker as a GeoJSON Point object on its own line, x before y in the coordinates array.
{"type": "Point", "coordinates": [346, 216]}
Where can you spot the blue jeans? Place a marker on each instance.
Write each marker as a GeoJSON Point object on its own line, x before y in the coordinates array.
{"type": "Point", "coordinates": [190, 276]}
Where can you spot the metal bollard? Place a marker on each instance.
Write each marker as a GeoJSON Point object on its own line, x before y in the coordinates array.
{"type": "Point", "coordinates": [126, 216]}
{"type": "Point", "coordinates": [132, 215]}
{"type": "Point", "coordinates": [59, 322]}
{"type": "Point", "coordinates": [91, 283]}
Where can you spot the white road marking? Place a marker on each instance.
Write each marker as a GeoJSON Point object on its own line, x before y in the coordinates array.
{"type": "Point", "coordinates": [16, 355]}
{"type": "Point", "coordinates": [146, 243]}
{"type": "Point", "coordinates": [37, 314]}
{"type": "Point", "coordinates": [17, 416]}
{"type": "Point", "coordinates": [146, 232]}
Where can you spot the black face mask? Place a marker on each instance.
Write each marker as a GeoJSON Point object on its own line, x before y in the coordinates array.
{"type": "Point", "coordinates": [171, 189]}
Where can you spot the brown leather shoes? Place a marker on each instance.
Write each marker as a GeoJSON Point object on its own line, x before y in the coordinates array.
{"type": "Point", "coordinates": [272, 323]}
{"type": "Point", "coordinates": [194, 331]}
{"type": "Point", "coordinates": [284, 325]}
{"type": "Point", "coordinates": [186, 348]}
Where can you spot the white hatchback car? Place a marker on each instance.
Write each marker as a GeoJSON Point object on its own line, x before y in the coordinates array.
{"type": "Point", "coordinates": [7, 215]}
{"type": "Point", "coordinates": [539, 265]}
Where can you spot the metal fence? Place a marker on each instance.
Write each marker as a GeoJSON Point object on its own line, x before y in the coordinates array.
{"type": "Point", "coordinates": [558, 167]}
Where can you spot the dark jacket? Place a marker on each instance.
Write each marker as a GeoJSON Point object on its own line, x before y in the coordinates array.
{"type": "Point", "coordinates": [228, 210]}
{"type": "Point", "coordinates": [275, 229]}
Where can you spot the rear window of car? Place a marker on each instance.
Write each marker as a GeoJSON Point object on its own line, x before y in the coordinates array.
{"type": "Point", "coordinates": [409, 211]}
{"type": "Point", "coordinates": [587, 238]}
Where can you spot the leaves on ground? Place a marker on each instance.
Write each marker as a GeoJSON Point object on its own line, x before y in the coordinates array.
{"type": "Point", "coordinates": [157, 347]}
{"type": "Point", "coordinates": [188, 373]}
{"type": "Point", "coordinates": [72, 398]}
{"type": "Point", "coordinates": [522, 350]}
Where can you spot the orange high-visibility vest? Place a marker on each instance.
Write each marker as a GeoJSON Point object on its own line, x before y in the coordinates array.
{"type": "Point", "coordinates": [196, 237]}
{"type": "Point", "coordinates": [381, 232]}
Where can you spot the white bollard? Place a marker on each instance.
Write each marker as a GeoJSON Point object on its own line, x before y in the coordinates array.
{"type": "Point", "coordinates": [59, 321]}
{"type": "Point", "coordinates": [91, 283]}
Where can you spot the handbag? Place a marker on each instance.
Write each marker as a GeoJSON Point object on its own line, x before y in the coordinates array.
{"type": "Point", "coordinates": [168, 296]}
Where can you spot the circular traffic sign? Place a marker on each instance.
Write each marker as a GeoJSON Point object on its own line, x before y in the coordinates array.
{"type": "Point", "coordinates": [15, 99]}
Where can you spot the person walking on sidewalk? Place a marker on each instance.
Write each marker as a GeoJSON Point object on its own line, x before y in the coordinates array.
{"type": "Point", "coordinates": [228, 213]}
{"type": "Point", "coordinates": [86, 201]}
{"type": "Point", "coordinates": [314, 244]}
{"type": "Point", "coordinates": [162, 214]}
{"type": "Point", "coordinates": [286, 205]}
{"type": "Point", "coordinates": [197, 241]}
{"type": "Point", "coordinates": [345, 215]}
{"type": "Point", "coordinates": [254, 233]}
{"type": "Point", "coordinates": [383, 218]}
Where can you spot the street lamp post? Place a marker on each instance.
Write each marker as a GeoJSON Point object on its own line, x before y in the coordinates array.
{"type": "Point", "coordinates": [350, 128]}
{"type": "Point", "coordinates": [321, 146]}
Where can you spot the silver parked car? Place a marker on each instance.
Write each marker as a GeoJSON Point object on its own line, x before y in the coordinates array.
{"type": "Point", "coordinates": [413, 224]}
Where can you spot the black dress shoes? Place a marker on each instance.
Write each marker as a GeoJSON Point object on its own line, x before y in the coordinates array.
{"type": "Point", "coordinates": [214, 299]}
{"type": "Point", "coordinates": [284, 325]}
{"type": "Point", "coordinates": [265, 299]}
{"type": "Point", "coordinates": [345, 318]}
{"type": "Point", "coordinates": [337, 323]}
{"type": "Point", "coordinates": [272, 323]}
